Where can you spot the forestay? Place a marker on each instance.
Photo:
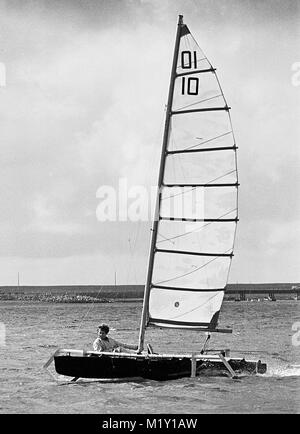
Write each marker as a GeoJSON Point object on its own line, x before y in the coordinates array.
{"type": "Point", "coordinates": [196, 214]}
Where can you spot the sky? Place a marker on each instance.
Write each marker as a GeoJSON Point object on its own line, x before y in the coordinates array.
{"type": "Point", "coordinates": [82, 106]}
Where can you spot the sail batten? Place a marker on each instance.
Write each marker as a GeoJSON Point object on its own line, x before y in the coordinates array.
{"type": "Point", "coordinates": [235, 184]}
{"type": "Point", "coordinates": [199, 71]}
{"type": "Point", "coordinates": [205, 109]}
{"type": "Point", "coordinates": [184, 219]}
{"type": "Point", "coordinates": [180, 323]}
{"type": "Point", "coordinates": [220, 148]}
{"type": "Point", "coordinates": [181, 252]}
{"type": "Point", "coordinates": [174, 288]}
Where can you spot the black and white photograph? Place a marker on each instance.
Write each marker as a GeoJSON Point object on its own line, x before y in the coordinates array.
{"type": "Point", "coordinates": [150, 210]}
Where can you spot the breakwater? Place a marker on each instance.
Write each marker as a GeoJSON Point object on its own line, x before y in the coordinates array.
{"type": "Point", "coordinates": [72, 293]}
{"type": "Point", "coordinates": [109, 293]}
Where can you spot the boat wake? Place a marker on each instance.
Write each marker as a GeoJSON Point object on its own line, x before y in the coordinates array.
{"type": "Point", "coordinates": [291, 370]}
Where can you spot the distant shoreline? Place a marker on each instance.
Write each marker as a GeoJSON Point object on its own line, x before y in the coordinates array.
{"type": "Point", "coordinates": [112, 293]}
{"type": "Point", "coordinates": [64, 299]}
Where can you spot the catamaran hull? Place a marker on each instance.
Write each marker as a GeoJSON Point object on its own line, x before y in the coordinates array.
{"type": "Point", "coordinates": [160, 368]}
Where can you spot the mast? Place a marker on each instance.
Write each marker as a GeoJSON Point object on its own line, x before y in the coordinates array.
{"type": "Point", "coordinates": [160, 181]}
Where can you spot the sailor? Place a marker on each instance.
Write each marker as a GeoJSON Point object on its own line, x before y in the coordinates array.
{"type": "Point", "coordinates": [105, 343]}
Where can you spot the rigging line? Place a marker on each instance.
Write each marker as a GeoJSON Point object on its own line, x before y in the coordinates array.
{"type": "Point", "coordinates": [198, 102]}
{"type": "Point", "coordinates": [196, 229]}
{"type": "Point", "coordinates": [222, 176]}
{"type": "Point", "coordinates": [90, 307]}
{"type": "Point", "coordinates": [193, 188]}
{"type": "Point", "coordinates": [131, 260]}
{"type": "Point", "coordinates": [131, 250]}
{"type": "Point", "coordinates": [178, 194]}
{"type": "Point", "coordinates": [190, 272]}
{"type": "Point", "coordinates": [209, 140]}
{"type": "Point", "coordinates": [166, 239]}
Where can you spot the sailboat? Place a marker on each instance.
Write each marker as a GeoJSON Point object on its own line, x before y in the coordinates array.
{"type": "Point", "coordinates": [193, 233]}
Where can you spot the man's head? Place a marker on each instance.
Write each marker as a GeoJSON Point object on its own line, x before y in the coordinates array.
{"type": "Point", "coordinates": [103, 330]}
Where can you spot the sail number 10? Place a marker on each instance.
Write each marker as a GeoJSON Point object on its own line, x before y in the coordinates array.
{"type": "Point", "coordinates": [189, 85]}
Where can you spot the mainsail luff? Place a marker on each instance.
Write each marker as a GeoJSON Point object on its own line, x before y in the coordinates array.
{"type": "Point", "coordinates": [160, 180]}
{"type": "Point", "coordinates": [196, 106]}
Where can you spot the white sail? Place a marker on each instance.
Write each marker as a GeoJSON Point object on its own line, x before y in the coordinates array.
{"type": "Point", "coordinates": [193, 239]}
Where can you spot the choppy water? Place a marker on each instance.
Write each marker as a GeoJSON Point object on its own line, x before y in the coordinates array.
{"type": "Point", "coordinates": [35, 330]}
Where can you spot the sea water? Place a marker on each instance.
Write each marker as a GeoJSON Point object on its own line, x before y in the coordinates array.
{"type": "Point", "coordinates": [31, 332]}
